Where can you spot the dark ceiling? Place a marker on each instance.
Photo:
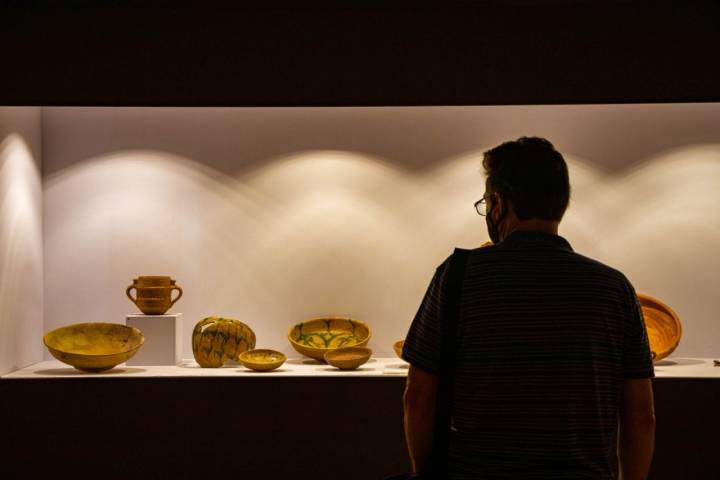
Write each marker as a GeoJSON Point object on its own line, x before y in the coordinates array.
{"type": "Point", "coordinates": [358, 52]}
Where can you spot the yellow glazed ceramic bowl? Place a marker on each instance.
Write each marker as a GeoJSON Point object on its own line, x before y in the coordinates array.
{"type": "Point", "coordinates": [316, 337]}
{"type": "Point", "coordinates": [663, 326]}
{"type": "Point", "coordinates": [262, 360]}
{"type": "Point", "coordinates": [348, 358]}
{"type": "Point", "coordinates": [398, 346]}
{"type": "Point", "coordinates": [94, 347]}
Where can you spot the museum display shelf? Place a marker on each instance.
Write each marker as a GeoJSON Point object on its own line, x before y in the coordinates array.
{"type": "Point", "coordinates": [302, 408]}
{"type": "Point", "coordinates": [293, 367]}
{"type": "Point", "coordinates": [305, 367]}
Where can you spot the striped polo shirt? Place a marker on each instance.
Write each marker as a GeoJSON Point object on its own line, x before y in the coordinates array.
{"type": "Point", "coordinates": [545, 338]}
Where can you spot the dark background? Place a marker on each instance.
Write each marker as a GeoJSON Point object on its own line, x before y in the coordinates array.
{"type": "Point", "coordinates": [349, 52]}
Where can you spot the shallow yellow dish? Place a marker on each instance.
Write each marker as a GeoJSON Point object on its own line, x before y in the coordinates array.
{"type": "Point", "coordinates": [94, 347]}
{"type": "Point", "coordinates": [262, 360]}
{"type": "Point", "coordinates": [348, 358]}
{"type": "Point", "coordinates": [663, 326]}
{"type": "Point", "coordinates": [398, 346]}
{"type": "Point", "coordinates": [316, 337]}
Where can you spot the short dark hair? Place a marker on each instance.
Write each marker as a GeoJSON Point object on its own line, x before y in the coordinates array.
{"type": "Point", "coordinates": [532, 175]}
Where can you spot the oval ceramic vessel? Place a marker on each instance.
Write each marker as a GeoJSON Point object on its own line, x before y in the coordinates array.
{"type": "Point", "coordinates": [94, 347]}
{"type": "Point", "coordinates": [663, 326]}
{"type": "Point", "coordinates": [215, 340]}
{"type": "Point", "coordinates": [262, 360]}
{"type": "Point", "coordinates": [348, 358]}
{"type": "Point", "coordinates": [316, 337]}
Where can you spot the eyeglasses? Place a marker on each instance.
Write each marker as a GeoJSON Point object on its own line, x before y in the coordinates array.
{"type": "Point", "coordinates": [481, 206]}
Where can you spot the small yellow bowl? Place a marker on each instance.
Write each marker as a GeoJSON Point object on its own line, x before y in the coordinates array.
{"type": "Point", "coordinates": [315, 337]}
{"type": "Point", "coordinates": [398, 346]}
{"type": "Point", "coordinates": [348, 358]}
{"type": "Point", "coordinates": [94, 347]}
{"type": "Point", "coordinates": [262, 360]}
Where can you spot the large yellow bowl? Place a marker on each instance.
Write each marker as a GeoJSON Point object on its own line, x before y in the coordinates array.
{"type": "Point", "coordinates": [663, 326]}
{"type": "Point", "coordinates": [94, 347]}
{"type": "Point", "coordinates": [314, 338]}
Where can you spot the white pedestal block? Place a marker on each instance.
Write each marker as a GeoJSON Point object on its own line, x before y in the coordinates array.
{"type": "Point", "coordinates": [163, 339]}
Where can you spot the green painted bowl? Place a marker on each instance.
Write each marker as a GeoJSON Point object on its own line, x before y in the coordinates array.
{"type": "Point", "coordinates": [314, 338]}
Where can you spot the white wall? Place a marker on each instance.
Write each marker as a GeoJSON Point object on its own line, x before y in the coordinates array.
{"type": "Point", "coordinates": [275, 215]}
{"type": "Point", "coordinates": [21, 267]}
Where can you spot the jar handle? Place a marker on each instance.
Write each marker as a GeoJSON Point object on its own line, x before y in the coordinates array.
{"type": "Point", "coordinates": [180, 294]}
{"type": "Point", "coordinates": [127, 292]}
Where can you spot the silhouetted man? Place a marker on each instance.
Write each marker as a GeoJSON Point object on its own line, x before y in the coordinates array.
{"type": "Point", "coordinates": [550, 352]}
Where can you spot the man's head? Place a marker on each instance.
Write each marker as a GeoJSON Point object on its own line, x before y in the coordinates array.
{"type": "Point", "coordinates": [527, 182]}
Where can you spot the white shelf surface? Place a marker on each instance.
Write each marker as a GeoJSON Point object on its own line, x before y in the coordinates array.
{"type": "Point", "coordinates": [293, 367]}
{"type": "Point", "coordinates": [298, 367]}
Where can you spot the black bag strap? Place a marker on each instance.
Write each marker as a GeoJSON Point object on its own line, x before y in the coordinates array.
{"type": "Point", "coordinates": [450, 318]}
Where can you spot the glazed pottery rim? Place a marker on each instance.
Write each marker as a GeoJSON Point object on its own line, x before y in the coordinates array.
{"type": "Point", "coordinates": [336, 351]}
{"type": "Point", "coordinates": [664, 308]}
{"type": "Point", "coordinates": [151, 287]}
{"type": "Point", "coordinates": [652, 303]}
{"type": "Point", "coordinates": [90, 355]}
{"type": "Point", "coordinates": [265, 350]}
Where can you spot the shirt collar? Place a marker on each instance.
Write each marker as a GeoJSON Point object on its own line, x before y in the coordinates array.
{"type": "Point", "coordinates": [535, 237]}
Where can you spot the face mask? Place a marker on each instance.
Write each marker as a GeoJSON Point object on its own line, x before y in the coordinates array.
{"type": "Point", "coordinates": [493, 228]}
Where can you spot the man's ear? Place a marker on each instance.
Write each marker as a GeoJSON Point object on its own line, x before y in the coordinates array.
{"type": "Point", "coordinates": [500, 207]}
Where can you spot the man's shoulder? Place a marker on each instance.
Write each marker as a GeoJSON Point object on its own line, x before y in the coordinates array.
{"type": "Point", "coordinates": [595, 265]}
{"type": "Point", "coordinates": [569, 258]}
